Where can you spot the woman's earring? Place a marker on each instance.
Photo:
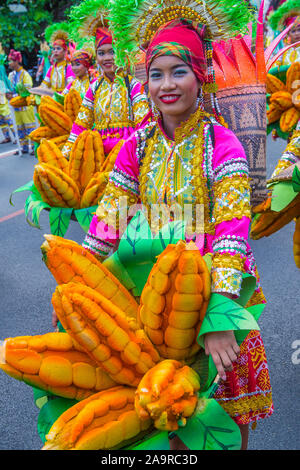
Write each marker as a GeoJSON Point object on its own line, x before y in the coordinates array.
{"type": "Point", "coordinates": [200, 99]}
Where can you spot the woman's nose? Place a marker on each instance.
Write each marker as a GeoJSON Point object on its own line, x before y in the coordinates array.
{"type": "Point", "coordinates": [168, 83]}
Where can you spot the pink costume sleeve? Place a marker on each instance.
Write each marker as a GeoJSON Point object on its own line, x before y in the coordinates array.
{"type": "Point", "coordinates": [231, 213]}
{"type": "Point", "coordinates": [123, 183]}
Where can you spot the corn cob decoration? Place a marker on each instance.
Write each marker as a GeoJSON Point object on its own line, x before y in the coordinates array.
{"type": "Point", "coordinates": [60, 140]}
{"type": "Point", "coordinates": [55, 186]}
{"type": "Point", "coordinates": [42, 132]}
{"type": "Point", "coordinates": [49, 153]}
{"type": "Point", "coordinates": [18, 101]}
{"type": "Point", "coordinates": [270, 221]}
{"type": "Point", "coordinates": [104, 421]}
{"type": "Point", "coordinates": [72, 104]}
{"type": "Point", "coordinates": [167, 394]}
{"type": "Point", "coordinates": [283, 107]}
{"type": "Point", "coordinates": [52, 102]}
{"type": "Point", "coordinates": [55, 363]}
{"type": "Point", "coordinates": [111, 157]}
{"type": "Point", "coordinates": [104, 332]}
{"type": "Point", "coordinates": [94, 189]}
{"type": "Point", "coordinates": [58, 121]}
{"type": "Point", "coordinates": [174, 300]}
{"type": "Point", "coordinates": [86, 158]}
{"type": "Point", "coordinates": [70, 262]}
{"type": "Point", "coordinates": [296, 243]}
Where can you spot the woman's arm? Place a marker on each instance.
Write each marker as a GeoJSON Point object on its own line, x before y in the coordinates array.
{"type": "Point", "coordinates": [232, 216]}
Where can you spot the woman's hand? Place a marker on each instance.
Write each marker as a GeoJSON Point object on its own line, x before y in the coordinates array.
{"type": "Point", "coordinates": [224, 350]}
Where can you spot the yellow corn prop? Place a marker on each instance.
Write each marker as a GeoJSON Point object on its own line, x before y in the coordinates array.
{"type": "Point", "coordinates": [94, 189]}
{"type": "Point", "coordinates": [284, 107]}
{"type": "Point", "coordinates": [70, 262]}
{"type": "Point", "coordinates": [174, 300]}
{"type": "Point", "coordinates": [274, 84]}
{"type": "Point", "coordinates": [167, 394]}
{"type": "Point", "coordinates": [18, 101]}
{"type": "Point", "coordinates": [55, 363]}
{"type": "Point", "coordinates": [30, 100]}
{"type": "Point", "coordinates": [86, 158]}
{"type": "Point", "coordinates": [56, 187]}
{"type": "Point", "coordinates": [52, 102]}
{"type": "Point", "coordinates": [42, 132]}
{"type": "Point", "coordinates": [296, 243]}
{"type": "Point", "coordinates": [60, 140]}
{"type": "Point", "coordinates": [49, 153]}
{"type": "Point", "coordinates": [55, 119]}
{"type": "Point", "coordinates": [105, 333]}
{"type": "Point", "coordinates": [111, 157]}
{"type": "Point", "coordinates": [270, 221]}
{"type": "Point", "coordinates": [289, 119]}
{"type": "Point", "coordinates": [72, 104]}
{"type": "Point", "coordinates": [102, 422]}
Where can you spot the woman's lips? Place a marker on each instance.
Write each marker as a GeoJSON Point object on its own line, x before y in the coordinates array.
{"type": "Point", "coordinates": [169, 99]}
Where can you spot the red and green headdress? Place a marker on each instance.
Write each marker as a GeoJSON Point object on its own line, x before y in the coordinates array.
{"type": "Point", "coordinates": [286, 14]}
{"type": "Point", "coordinates": [58, 34]}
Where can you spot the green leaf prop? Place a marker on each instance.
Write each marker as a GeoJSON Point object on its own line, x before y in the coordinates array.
{"type": "Point", "coordinates": [137, 251]}
{"type": "Point", "coordinates": [210, 428]}
{"type": "Point", "coordinates": [283, 194]}
{"type": "Point", "coordinates": [59, 219]}
{"type": "Point", "coordinates": [158, 440]}
{"type": "Point", "coordinates": [22, 90]}
{"type": "Point", "coordinates": [84, 216]}
{"type": "Point", "coordinates": [296, 179]}
{"type": "Point", "coordinates": [224, 314]}
{"type": "Point", "coordinates": [50, 412]}
{"type": "Point", "coordinates": [59, 98]}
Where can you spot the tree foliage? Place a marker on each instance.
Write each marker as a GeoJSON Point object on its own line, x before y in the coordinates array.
{"type": "Point", "coordinates": [22, 22]}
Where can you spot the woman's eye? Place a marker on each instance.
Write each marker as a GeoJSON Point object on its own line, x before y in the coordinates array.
{"type": "Point", "coordinates": [179, 72]}
{"type": "Point", "coordinates": [155, 75]}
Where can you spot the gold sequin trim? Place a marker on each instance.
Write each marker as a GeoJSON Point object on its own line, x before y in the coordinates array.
{"type": "Point", "coordinates": [246, 404]}
{"type": "Point", "coordinates": [232, 199]}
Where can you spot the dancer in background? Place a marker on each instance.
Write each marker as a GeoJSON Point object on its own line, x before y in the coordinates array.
{"type": "Point", "coordinates": [25, 120]}
{"type": "Point", "coordinates": [60, 74]}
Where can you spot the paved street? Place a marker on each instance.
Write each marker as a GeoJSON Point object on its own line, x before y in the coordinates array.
{"type": "Point", "coordinates": [26, 287]}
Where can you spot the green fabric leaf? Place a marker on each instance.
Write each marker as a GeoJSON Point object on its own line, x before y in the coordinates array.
{"type": "Point", "coordinates": [59, 219]}
{"type": "Point", "coordinates": [283, 194]}
{"type": "Point", "coordinates": [84, 217]}
{"type": "Point", "coordinates": [26, 187]}
{"type": "Point", "coordinates": [114, 265]}
{"type": "Point", "coordinates": [59, 98]}
{"type": "Point", "coordinates": [296, 179]}
{"type": "Point", "coordinates": [210, 428]}
{"type": "Point", "coordinates": [224, 314]}
{"type": "Point", "coordinates": [169, 234]}
{"type": "Point", "coordinates": [205, 368]}
{"type": "Point", "coordinates": [36, 211]}
{"type": "Point", "coordinates": [158, 440]}
{"type": "Point", "coordinates": [50, 412]}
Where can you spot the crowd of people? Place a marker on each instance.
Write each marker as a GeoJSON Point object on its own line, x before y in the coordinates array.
{"type": "Point", "coordinates": [174, 151]}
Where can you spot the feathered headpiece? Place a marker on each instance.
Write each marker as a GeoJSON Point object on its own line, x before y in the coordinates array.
{"type": "Point", "coordinates": [134, 22]}
{"type": "Point", "coordinates": [89, 20]}
{"type": "Point", "coordinates": [58, 34]}
{"type": "Point", "coordinates": [284, 15]}
{"type": "Point", "coordinates": [84, 55]}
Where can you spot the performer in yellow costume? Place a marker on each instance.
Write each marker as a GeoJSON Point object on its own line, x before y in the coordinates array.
{"type": "Point", "coordinates": [288, 13]}
{"type": "Point", "coordinates": [60, 74]}
{"type": "Point", "coordinates": [81, 62]}
{"type": "Point", "coordinates": [25, 119]}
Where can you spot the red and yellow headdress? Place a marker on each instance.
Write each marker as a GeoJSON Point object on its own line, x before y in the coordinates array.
{"type": "Point", "coordinates": [58, 34]}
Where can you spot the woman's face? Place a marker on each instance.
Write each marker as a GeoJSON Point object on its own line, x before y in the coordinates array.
{"type": "Point", "coordinates": [58, 53]}
{"type": "Point", "coordinates": [79, 69]}
{"type": "Point", "coordinates": [173, 87]}
{"type": "Point", "coordinates": [13, 64]}
{"type": "Point", "coordinates": [295, 34]}
{"type": "Point", "coordinates": [105, 59]}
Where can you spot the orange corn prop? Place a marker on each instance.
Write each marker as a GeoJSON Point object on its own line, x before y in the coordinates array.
{"type": "Point", "coordinates": [72, 104]}
{"type": "Point", "coordinates": [86, 158]}
{"type": "Point", "coordinates": [42, 132]}
{"type": "Point", "coordinates": [55, 363]}
{"type": "Point", "coordinates": [94, 190]}
{"type": "Point", "coordinates": [55, 187]}
{"type": "Point", "coordinates": [56, 119]}
{"type": "Point", "coordinates": [111, 158]}
{"type": "Point", "coordinates": [104, 421]}
{"type": "Point", "coordinates": [167, 394]}
{"type": "Point", "coordinates": [174, 300]}
{"type": "Point", "coordinates": [105, 333]}
{"type": "Point", "coordinates": [70, 262]}
{"type": "Point", "coordinates": [48, 152]}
